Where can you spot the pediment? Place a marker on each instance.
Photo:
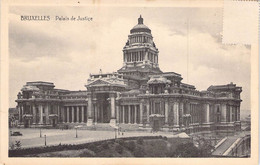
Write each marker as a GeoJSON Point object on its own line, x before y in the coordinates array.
{"type": "Point", "coordinates": [99, 82]}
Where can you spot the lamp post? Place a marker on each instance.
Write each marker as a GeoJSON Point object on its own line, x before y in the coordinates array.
{"type": "Point", "coordinates": [76, 132]}
{"type": "Point", "coordinates": [40, 132]}
{"type": "Point", "coordinates": [45, 140]}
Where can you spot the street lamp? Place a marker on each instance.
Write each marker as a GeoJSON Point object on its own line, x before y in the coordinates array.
{"type": "Point", "coordinates": [45, 140]}
{"type": "Point", "coordinates": [76, 132]}
{"type": "Point", "coordinates": [40, 132]}
{"type": "Point", "coordinates": [76, 127]}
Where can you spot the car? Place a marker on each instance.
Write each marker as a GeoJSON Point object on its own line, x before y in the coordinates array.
{"type": "Point", "coordinates": [17, 134]}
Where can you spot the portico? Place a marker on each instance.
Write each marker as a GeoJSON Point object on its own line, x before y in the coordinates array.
{"type": "Point", "coordinates": [103, 92]}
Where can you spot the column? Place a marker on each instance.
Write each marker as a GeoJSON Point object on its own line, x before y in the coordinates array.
{"type": "Point", "coordinates": [113, 109]}
{"type": "Point", "coordinates": [238, 113]}
{"type": "Point", "coordinates": [77, 114]}
{"type": "Point", "coordinates": [34, 114]}
{"type": "Point", "coordinates": [146, 56]}
{"type": "Point", "coordinates": [135, 113]}
{"type": "Point", "coordinates": [112, 99]}
{"type": "Point", "coordinates": [47, 113]}
{"type": "Point", "coordinates": [95, 111]}
{"type": "Point", "coordinates": [72, 114]}
{"type": "Point", "coordinates": [223, 112]}
{"type": "Point", "coordinates": [123, 109]}
{"type": "Point", "coordinates": [231, 112]}
{"type": "Point", "coordinates": [141, 113]}
{"type": "Point", "coordinates": [82, 114]}
{"type": "Point", "coordinates": [68, 114]}
{"type": "Point", "coordinates": [117, 114]}
{"type": "Point", "coordinates": [22, 109]}
{"type": "Point", "coordinates": [62, 111]}
{"type": "Point", "coordinates": [89, 111]}
{"type": "Point", "coordinates": [59, 116]}
{"type": "Point", "coordinates": [41, 117]}
{"type": "Point", "coordinates": [181, 112]}
{"type": "Point", "coordinates": [19, 111]}
{"type": "Point", "coordinates": [176, 114]}
{"type": "Point", "coordinates": [207, 113]}
{"type": "Point", "coordinates": [166, 112]}
{"type": "Point", "coordinates": [148, 112]}
{"type": "Point", "coordinates": [129, 114]}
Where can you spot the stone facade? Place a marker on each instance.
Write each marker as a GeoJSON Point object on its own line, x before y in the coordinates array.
{"type": "Point", "coordinates": [139, 94]}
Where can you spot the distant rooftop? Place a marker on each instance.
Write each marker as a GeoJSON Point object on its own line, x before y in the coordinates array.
{"type": "Point", "coordinates": [220, 87]}
{"type": "Point", "coordinates": [40, 83]}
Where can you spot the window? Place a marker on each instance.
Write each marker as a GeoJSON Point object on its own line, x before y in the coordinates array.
{"type": "Point", "coordinates": [155, 90]}
{"type": "Point", "coordinates": [157, 108]}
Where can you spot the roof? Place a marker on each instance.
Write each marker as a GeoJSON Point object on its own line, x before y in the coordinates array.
{"type": "Point", "coordinates": [188, 86]}
{"type": "Point", "coordinates": [224, 87]}
{"type": "Point", "coordinates": [13, 111]}
{"type": "Point", "coordinates": [158, 80]}
{"type": "Point", "coordinates": [134, 91]}
{"type": "Point", "coordinates": [140, 27]}
{"type": "Point", "coordinates": [145, 68]}
{"type": "Point", "coordinates": [29, 88]}
{"type": "Point", "coordinates": [40, 83]}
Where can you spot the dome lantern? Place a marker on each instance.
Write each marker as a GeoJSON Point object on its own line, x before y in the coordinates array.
{"type": "Point", "coordinates": [140, 20]}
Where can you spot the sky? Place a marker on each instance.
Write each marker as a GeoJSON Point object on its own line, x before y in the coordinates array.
{"type": "Point", "coordinates": [66, 52]}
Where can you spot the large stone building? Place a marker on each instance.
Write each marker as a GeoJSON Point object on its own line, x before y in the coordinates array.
{"type": "Point", "coordinates": [139, 94]}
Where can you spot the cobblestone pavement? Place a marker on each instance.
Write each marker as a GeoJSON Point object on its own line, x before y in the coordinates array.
{"type": "Point", "coordinates": [31, 136]}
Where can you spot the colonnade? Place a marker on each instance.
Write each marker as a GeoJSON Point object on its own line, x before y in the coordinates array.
{"type": "Point", "coordinates": [140, 56]}
{"type": "Point", "coordinates": [75, 114]}
{"type": "Point", "coordinates": [130, 114]}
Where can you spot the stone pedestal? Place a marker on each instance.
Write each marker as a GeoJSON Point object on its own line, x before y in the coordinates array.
{"type": "Point", "coordinates": [176, 128]}
{"type": "Point", "coordinates": [90, 122]}
{"type": "Point", "coordinates": [165, 127]}
{"type": "Point", "coordinates": [112, 122]}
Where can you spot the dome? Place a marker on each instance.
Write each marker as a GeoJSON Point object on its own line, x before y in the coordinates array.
{"type": "Point", "coordinates": [140, 27]}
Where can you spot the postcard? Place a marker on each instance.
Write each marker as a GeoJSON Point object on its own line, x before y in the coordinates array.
{"type": "Point", "coordinates": [133, 82]}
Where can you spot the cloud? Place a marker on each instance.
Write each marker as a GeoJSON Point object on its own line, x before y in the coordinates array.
{"type": "Point", "coordinates": [67, 52]}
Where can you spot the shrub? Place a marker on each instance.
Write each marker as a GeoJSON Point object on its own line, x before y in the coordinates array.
{"type": "Point", "coordinates": [140, 140]}
{"type": "Point", "coordinates": [92, 146]}
{"type": "Point", "coordinates": [119, 149]}
{"type": "Point", "coordinates": [120, 141]}
{"type": "Point", "coordinates": [87, 153]}
{"type": "Point", "coordinates": [98, 149]}
{"type": "Point", "coordinates": [139, 152]}
{"type": "Point", "coordinates": [105, 145]}
{"type": "Point", "coordinates": [186, 150]}
{"type": "Point", "coordinates": [18, 145]}
{"type": "Point", "coordinates": [165, 138]}
{"type": "Point", "coordinates": [130, 145]}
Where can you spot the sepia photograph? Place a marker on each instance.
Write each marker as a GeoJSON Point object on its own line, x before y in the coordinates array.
{"type": "Point", "coordinates": [126, 82]}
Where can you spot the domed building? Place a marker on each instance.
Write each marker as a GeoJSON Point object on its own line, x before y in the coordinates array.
{"type": "Point", "coordinates": [138, 96]}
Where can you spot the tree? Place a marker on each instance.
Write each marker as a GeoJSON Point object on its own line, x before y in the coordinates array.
{"type": "Point", "coordinates": [205, 147]}
{"type": "Point", "coordinates": [186, 150]}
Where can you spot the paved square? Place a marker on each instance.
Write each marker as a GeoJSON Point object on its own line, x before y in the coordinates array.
{"type": "Point", "coordinates": [31, 136]}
